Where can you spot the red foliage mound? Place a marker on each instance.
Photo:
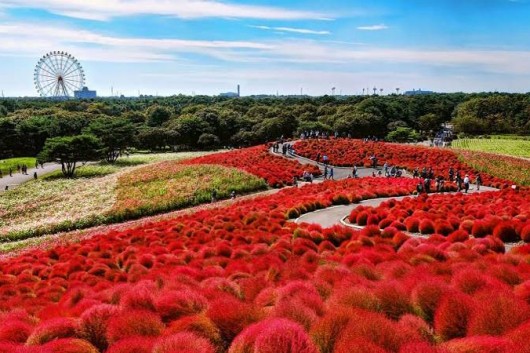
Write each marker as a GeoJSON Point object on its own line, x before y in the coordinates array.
{"type": "Point", "coordinates": [243, 278]}
{"type": "Point", "coordinates": [277, 171]}
{"type": "Point", "coordinates": [274, 336]}
{"type": "Point", "coordinates": [133, 323]}
{"type": "Point", "coordinates": [349, 152]}
{"type": "Point", "coordinates": [53, 329]}
{"type": "Point", "coordinates": [183, 342]}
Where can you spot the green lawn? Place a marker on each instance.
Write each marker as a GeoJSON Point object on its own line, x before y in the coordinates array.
{"type": "Point", "coordinates": [12, 163]}
{"type": "Point", "coordinates": [509, 147]}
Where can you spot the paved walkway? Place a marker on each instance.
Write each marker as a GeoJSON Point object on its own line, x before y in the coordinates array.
{"type": "Point", "coordinates": [13, 181]}
{"type": "Point", "coordinates": [334, 215]}
{"type": "Point", "coordinates": [338, 172]}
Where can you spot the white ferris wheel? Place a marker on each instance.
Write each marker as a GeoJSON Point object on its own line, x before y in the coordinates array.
{"type": "Point", "coordinates": [58, 74]}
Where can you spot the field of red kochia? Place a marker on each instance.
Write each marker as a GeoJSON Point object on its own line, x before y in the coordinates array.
{"type": "Point", "coordinates": [349, 152]}
{"type": "Point", "coordinates": [244, 279]}
{"type": "Point", "coordinates": [503, 214]}
{"type": "Point", "coordinates": [277, 171]}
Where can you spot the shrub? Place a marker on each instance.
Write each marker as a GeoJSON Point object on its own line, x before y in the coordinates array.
{"type": "Point", "coordinates": [132, 345]}
{"type": "Point", "coordinates": [444, 228]}
{"type": "Point", "coordinates": [426, 296]}
{"type": "Point", "coordinates": [452, 316]}
{"type": "Point", "coordinates": [15, 330]}
{"type": "Point", "coordinates": [519, 337]}
{"type": "Point", "coordinates": [480, 229]}
{"type": "Point", "coordinates": [479, 344]}
{"type": "Point", "coordinates": [412, 224]}
{"type": "Point", "coordinates": [133, 323]}
{"type": "Point", "coordinates": [503, 312]}
{"type": "Point", "coordinates": [231, 315]}
{"type": "Point", "coordinates": [94, 322]}
{"type": "Point", "coordinates": [458, 236]}
{"type": "Point", "coordinates": [328, 329]}
{"type": "Point", "coordinates": [418, 347]}
{"type": "Point", "coordinates": [525, 233]}
{"type": "Point", "coordinates": [375, 328]}
{"type": "Point", "coordinates": [52, 329]}
{"type": "Point", "coordinates": [362, 218]}
{"type": "Point", "coordinates": [505, 232]}
{"type": "Point", "coordinates": [393, 299]}
{"type": "Point", "coordinates": [426, 226]}
{"type": "Point", "coordinates": [283, 336]}
{"type": "Point", "coordinates": [173, 304]}
{"type": "Point", "coordinates": [389, 232]}
{"type": "Point", "coordinates": [198, 324]}
{"type": "Point", "coordinates": [183, 342]}
{"type": "Point", "coordinates": [69, 345]}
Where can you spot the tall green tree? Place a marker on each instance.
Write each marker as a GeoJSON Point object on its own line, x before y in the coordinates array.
{"type": "Point", "coordinates": [116, 134]}
{"type": "Point", "coordinates": [70, 150]}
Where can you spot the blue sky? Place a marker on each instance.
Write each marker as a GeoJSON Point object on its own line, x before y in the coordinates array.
{"type": "Point", "coordinates": [206, 47]}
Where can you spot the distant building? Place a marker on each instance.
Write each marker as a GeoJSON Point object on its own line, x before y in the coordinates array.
{"type": "Point", "coordinates": [417, 92]}
{"type": "Point", "coordinates": [85, 93]}
{"type": "Point", "coordinates": [232, 94]}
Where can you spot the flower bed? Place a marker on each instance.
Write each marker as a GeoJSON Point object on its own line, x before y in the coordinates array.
{"type": "Point", "coordinates": [510, 168]}
{"type": "Point", "coordinates": [171, 185]}
{"type": "Point", "coordinates": [504, 215]}
{"type": "Point", "coordinates": [349, 152]}
{"type": "Point", "coordinates": [54, 205]}
{"type": "Point", "coordinates": [277, 171]}
{"type": "Point", "coordinates": [244, 279]}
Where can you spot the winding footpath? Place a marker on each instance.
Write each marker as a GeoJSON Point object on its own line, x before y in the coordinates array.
{"type": "Point", "coordinates": [18, 178]}
{"type": "Point", "coordinates": [336, 215]}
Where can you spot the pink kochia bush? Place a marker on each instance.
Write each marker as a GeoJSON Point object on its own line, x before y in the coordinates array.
{"type": "Point", "coordinates": [245, 279]}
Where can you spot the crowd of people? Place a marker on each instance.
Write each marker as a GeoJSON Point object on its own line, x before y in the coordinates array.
{"type": "Point", "coordinates": [427, 176]}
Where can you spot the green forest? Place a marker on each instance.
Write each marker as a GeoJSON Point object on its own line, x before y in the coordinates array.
{"type": "Point", "coordinates": [203, 122]}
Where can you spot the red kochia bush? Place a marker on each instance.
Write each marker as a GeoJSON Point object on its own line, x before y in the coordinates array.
{"type": "Point", "coordinates": [133, 323]}
{"type": "Point", "coordinates": [452, 316]}
{"type": "Point", "coordinates": [273, 336]}
{"type": "Point", "coordinates": [174, 304]}
{"type": "Point", "coordinates": [502, 312]}
{"type": "Point", "coordinates": [198, 324]}
{"type": "Point", "coordinates": [185, 342]}
{"type": "Point", "coordinates": [505, 232]}
{"type": "Point", "coordinates": [480, 344]}
{"type": "Point", "coordinates": [69, 345]}
{"type": "Point", "coordinates": [232, 315]}
{"type": "Point", "coordinates": [426, 226]}
{"type": "Point", "coordinates": [15, 330]}
{"type": "Point", "coordinates": [525, 233]}
{"type": "Point", "coordinates": [133, 345]}
{"type": "Point", "coordinates": [53, 329]}
{"type": "Point", "coordinates": [94, 322]}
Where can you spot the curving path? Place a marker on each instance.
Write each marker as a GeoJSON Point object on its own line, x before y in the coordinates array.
{"type": "Point", "coordinates": [335, 215]}
{"type": "Point", "coordinates": [18, 178]}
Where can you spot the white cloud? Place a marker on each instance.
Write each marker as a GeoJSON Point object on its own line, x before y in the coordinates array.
{"type": "Point", "coordinates": [189, 9]}
{"type": "Point", "coordinates": [379, 27]}
{"type": "Point", "coordinates": [292, 30]}
{"type": "Point", "coordinates": [34, 40]}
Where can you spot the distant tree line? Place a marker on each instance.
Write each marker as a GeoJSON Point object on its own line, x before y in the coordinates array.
{"type": "Point", "coordinates": [201, 122]}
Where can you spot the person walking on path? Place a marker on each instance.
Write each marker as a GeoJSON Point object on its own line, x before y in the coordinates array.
{"type": "Point", "coordinates": [325, 159]}
{"type": "Point", "coordinates": [325, 172]}
{"type": "Point", "coordinates": [466, 183]}
{"type": "Point", "coordinates": [354, 172]}
{"type": "Point", "coordinates": [331, 173]}
{"type": "Point", "coordinates": [478, 181]}
{"type": "Point", "coordinates": [35, 175]}
{"type": "Point", "coordinates": [10, 172]}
